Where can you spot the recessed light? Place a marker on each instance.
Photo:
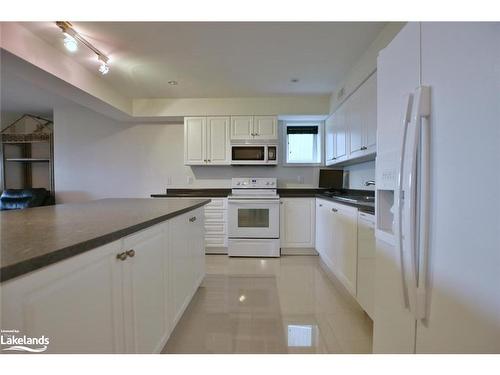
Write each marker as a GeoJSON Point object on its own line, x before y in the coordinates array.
{"type": "Point", "coordinates": [173, 83]}
{"type": "Point", "coordinates": [294, 80]}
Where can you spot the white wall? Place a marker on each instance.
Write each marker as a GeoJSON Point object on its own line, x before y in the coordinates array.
{"type": "Point", "coordinates": [96, 157]}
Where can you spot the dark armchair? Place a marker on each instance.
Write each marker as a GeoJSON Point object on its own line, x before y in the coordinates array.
{"type": "Point", "coordinates": [15, 199]}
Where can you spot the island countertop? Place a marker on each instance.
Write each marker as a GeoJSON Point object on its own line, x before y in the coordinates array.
{"type": "Point", "coordinates": [36, 237]}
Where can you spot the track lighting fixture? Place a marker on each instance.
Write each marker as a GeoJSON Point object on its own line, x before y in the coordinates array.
{"type": "Point", "coordinates": [71, 40]}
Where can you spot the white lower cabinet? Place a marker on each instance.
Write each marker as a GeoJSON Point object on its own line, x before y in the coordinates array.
{"type": "Point", "coordinates": [123, 297]}
{"type": "Point", "coordinates": [76, 303]}
{"type": "Point", "coordinates": [336, 240]}
{"type": "Point", "coordinates": [297, 222]}
{"type": "Point", "coordinates": [216, 226]}
{"type": "Point", "coordinates": [144, 275]}
{"type": "Point", "coordinates": [366, 262]}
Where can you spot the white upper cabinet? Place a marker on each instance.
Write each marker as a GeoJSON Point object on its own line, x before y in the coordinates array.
{"type": "Point", "coordinates": [355, 110]}
{"type": "Point", "coordinates": [329, 139]}
{"type": "Point", "coordinates": [340, 135]}
{"type": "Point", "coordinates": [242, 127]}
{"type": "Point", "coordinates": [195, 140]}
{"type": "Point", "coordinates": [206, 141]}
{"type": "Point", "coordinates": [265, 127]}
{"type": "Point", "coordinates": [351, 132]}
{"type": "Point", "coordinates": [218, 151]}
{"type": "Point", "coordinates": [370, 115]}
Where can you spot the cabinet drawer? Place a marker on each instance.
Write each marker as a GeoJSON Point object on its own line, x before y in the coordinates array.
{"type": "Point", "coordinates": [215, 228]}
{"type": "Point", "coordinates": [215, 216]}
{"type": "Point", "coordinates": [215, 241]}
{"type": "Point", "coordinates": [217, 204]}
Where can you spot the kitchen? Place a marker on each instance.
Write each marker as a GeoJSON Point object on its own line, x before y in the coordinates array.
{"type": "Point", "coordinates": [254, 224]}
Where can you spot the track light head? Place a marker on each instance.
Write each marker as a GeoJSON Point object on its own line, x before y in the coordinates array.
{"type": "Point", "coordinates": [70, 43]}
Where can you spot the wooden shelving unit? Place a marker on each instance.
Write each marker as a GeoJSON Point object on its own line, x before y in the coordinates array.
{"type": "Point", "coordinates": [28, 153]}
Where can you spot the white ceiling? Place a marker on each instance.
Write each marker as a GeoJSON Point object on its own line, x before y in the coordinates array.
{"type": "Point", "coordinates": [221, 59]}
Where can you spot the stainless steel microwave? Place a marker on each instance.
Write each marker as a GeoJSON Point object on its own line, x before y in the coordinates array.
{"type": "Point", "coordinates": [250, 154]}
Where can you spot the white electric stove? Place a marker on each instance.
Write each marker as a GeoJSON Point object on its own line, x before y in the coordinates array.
{"type": "Point", "coordinates": [254, 218]}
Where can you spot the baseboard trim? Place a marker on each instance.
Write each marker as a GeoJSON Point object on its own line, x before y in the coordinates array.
{"type": "Point", "coordinates": [216, 250]}
{"type": "Point", "coordinates": [298, 251]}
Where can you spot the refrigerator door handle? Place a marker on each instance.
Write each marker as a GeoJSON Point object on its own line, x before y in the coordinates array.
{"type": "Point", "coordinates": [423, 95]}
{"type": "Point", "coordinates": [399, 228]}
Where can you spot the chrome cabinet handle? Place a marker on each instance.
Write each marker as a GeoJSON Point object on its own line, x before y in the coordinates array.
{"type": "Point", "coordinates": [192, 219]}
{"type": "Point", "coordinates": [334, 210]}
{"type": "Point", "coordinates": [130, 253]}
{"type": "Point", "coordinates": [209, 160]}
{"type": "Point", "coordinates": [364, 148]}
{"type": "Point", "coordinates": [321, 205]}
{"type": "Point", "coordinates": [121, 256]}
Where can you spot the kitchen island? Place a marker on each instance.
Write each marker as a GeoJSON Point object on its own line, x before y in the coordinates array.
{"type": "Point", "coordinates": [107, 276]}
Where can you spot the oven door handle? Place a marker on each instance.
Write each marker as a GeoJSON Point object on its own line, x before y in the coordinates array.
{"type": "Point", "coordinates": [251, 201]}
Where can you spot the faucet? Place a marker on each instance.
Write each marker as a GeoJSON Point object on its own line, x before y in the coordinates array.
{"type": "Point", "coordinates": [370, 182]}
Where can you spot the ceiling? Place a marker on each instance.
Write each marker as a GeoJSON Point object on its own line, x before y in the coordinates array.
{"type": "Point", "coordinates": [220, 59]}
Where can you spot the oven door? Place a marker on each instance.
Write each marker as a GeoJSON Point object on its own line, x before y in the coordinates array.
{"type": "Point", "coordinates": [253, 218]}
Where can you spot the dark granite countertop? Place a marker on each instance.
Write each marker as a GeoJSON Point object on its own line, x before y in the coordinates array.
{"type": "Point", "coordinates": [363, 207]}
{"type": "Point", "coordinates": [36, 237]}
{"type": "Point", "coordinates": [283, 193]}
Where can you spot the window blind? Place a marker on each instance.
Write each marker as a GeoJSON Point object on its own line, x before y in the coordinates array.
{"type": "Point", "coordinates": [302, 130]}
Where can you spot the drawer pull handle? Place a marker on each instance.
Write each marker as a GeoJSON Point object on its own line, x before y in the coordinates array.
{"type": "Point", "coordinates": [131, 253]}
{"type": "Point", "coordinates": [121, 256]}
{"type": "Point", "coordinates": [192, 219]}
{"type": "Point", "coordinates": [334, 210]}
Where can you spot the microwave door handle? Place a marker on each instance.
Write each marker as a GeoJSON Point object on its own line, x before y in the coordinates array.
{"type": "Point", "coordinates": [399, 221]}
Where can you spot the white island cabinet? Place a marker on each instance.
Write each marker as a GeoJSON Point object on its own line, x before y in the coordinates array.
{"type": "Point", "coordinates": [122, 297]}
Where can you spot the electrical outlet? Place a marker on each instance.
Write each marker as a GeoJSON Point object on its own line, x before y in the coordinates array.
{"type": "Point", "coordinates": [169, 180]}
{"type": "Point", "coordinates": [190, 180]}
{"type": "Point", "coordinates": [300, 179]}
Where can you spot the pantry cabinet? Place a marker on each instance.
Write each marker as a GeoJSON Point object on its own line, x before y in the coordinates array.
{"type": "Point", "coordinates": [122, 297]}
{"type": "Point", "coordinates": [249, 128]}
{"type": "Point", "coordinates": [206, 141]}
{"type": "Point", "coordinates": [297, 222]}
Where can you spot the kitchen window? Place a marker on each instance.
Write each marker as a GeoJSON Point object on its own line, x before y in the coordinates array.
{"type": "Point", "coordinates": [303, 143]}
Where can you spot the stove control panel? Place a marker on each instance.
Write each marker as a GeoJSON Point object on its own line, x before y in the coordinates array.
{"type": "Point", "coordinates": [254, 183]}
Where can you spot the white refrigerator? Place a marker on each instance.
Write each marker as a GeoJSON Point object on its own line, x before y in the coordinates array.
{"type": "Point", "coordinates": [437, 286]}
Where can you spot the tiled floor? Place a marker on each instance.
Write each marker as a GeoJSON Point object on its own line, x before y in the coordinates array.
{"type": "Point", "coordinates": [283, 305]}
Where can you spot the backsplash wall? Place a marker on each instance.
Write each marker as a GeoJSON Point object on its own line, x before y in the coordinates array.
{"type": "Point", "coordinates": [357, 174]}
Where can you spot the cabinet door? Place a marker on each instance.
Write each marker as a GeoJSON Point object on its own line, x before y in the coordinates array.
{"type": "Point", "coordinates": [323, 230]}
{"type": "Point", "coordinates": [218, 146]}
{"type": "Point", "coordinates": [370, 114]}
{"type": "Point", "coordinates": [265, 127]}
{"type": "Point", "coordinates": [340, 135]}
{"type": "Point", "coordinates": [366, 262]}
{"type": "Point", "coordinates": [297, 222]}
{"type": "Point", "coordinates": [354, 108]}
{"type": "Point", "coordinates": [242, 127]}
{"type": "Point", "coordinates": [195, 141]}
{"type": "Point", "coordinates": [345, 251]}
{"type": "Point", "coordinates": [180, 266]}
{"type": "Point", "coordinates": [329, 139]}
{"type": "Point", "coordinates": [144, 297]}
{"type": "Point", "coordinates": [196, 248]}
{"type": "Point", "coordinates": [76, 303]}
